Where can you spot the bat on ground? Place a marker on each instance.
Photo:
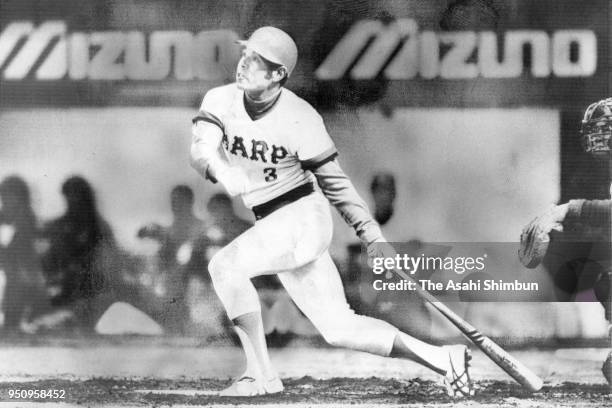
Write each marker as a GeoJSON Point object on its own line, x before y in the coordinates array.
{"type": "Point", "coordinates": [501, 357]}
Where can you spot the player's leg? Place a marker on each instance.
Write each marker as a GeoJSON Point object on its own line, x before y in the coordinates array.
{"type": "Point", "coordinates": [317, 290]}
{"type": "Point", "coordinates": [283, 240]}
{"type": "Point", "coordinates": [231, 279]}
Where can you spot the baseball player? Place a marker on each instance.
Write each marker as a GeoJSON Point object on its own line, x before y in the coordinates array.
{"type": "Point", "coordinates": [267, 145]}
{"type": "Point", "coordinates": [592, 218]}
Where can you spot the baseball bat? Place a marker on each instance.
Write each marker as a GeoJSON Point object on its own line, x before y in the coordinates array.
{"type": "Point", "coordinates": [501, 357]}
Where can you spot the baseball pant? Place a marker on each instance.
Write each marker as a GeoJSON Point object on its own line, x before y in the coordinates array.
{"type": "Point", "coordinates": [293, 242]}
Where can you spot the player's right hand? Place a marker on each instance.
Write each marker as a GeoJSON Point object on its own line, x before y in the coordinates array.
{"type": "Point", "coordinates": [234, 179]}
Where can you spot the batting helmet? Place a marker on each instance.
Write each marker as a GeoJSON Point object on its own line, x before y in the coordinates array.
{"type": "Point", "coordinates": [275, 45]}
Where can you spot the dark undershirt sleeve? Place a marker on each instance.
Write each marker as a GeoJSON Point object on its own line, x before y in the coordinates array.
{"type": "Point", "coordinates": [320, 159]}
{"type": "Point", "coordinates": [341, 193]}
{"type": "Point", "coordinates": [208, 117]}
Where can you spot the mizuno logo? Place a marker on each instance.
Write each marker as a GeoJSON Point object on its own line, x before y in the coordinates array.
{"type": "Point", "coordinates": [50, 52]}
{"type": "Point", "coordinates": [400, 51]}
{"type": "Point", "coordinates": [370, 48]}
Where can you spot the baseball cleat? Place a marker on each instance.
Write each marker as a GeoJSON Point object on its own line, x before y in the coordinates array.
{"type": "Point", "coordinates": [457, 379]}
{"type": "Point", "coordinates": [249, 387]}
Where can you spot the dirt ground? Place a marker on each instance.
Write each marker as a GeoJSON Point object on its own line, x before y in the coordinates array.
{"type": "Point", "coordinates": [109, 374]}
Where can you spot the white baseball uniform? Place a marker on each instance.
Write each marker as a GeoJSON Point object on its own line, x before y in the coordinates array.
{"type": "Point", "coordinates": [279, 152]}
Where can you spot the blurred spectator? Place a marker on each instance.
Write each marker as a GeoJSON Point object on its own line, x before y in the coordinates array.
{"type": "Point", "coordinates": [81, 250]}
{"type": "Point", "coordinates": [470, 15]}
{"type": "Point", "coordinates": [383, 192]}
{"type": "Point", "coordinates": [225, 225]}
{"type": "Point", "coordinates": [24, 293]}
{"type": "Point", "coordinates": [181, 254]}
{"type": "Point", "coordinates": [181, 245]}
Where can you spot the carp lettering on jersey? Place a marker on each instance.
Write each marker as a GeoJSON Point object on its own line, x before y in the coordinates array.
{"type": "Point", "coordinates": [256, 150]}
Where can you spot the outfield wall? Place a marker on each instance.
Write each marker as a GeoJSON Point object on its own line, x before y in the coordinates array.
{"type": "Point", "coordinates": [462, 175]}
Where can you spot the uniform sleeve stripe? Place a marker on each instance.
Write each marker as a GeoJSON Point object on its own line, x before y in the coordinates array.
{"type": "Point", "coordinates": [208, 117]}
{"type": "Point", "coordinates": [320, 159]}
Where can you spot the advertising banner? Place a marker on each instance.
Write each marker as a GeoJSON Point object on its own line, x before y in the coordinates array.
{"type": "Point", "coordinates": [545, 53]}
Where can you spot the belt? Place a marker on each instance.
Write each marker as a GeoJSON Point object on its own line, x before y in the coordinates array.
{"type": "Point", "coordinates": [267, 208]}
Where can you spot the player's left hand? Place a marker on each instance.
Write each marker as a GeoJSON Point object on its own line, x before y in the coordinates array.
{"type": "Point", "coordinates": [380, 248]}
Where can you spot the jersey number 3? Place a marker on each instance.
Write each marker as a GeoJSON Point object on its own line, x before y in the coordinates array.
{"type": "Point", "coordinates": [270, 173]}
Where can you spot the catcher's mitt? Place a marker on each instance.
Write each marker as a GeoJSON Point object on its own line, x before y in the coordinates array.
{"type": "Point", "coordinates": [535, 237]}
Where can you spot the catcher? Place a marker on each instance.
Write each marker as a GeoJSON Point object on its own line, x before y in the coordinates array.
{"type": "Point", "coordinates": [586, 219]}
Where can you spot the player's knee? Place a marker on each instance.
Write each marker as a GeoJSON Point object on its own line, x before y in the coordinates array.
{"type": "Point", "coordinates": [225, 262]}
{"type": "Point", "coordinates": [218, 268]}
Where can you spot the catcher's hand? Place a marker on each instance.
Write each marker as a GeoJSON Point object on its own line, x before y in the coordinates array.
{"type": "Point", "coordinates": [380, 249]}
{"type": "Point", "coordinates": [535, 237]}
